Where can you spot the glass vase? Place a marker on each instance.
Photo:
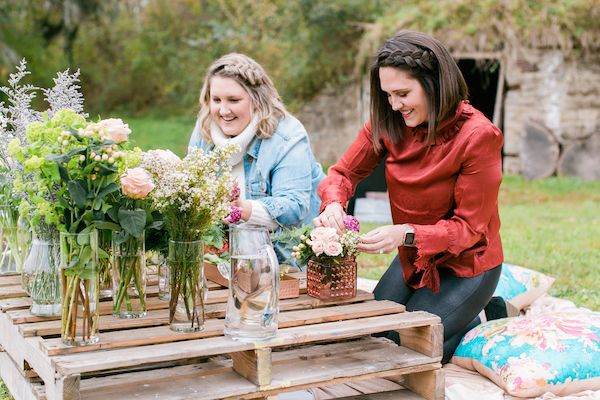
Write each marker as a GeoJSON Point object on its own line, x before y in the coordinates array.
{"type": "Point", "coordinates": [43, 271]}
{"type": "Point", "coordinates": [129, 277]}
{"type": "Point", "coordinates": [164, 279]}
{"type": "Point", "coordinates": [15, 239]}
{"type": "Point", "coordinates": [80, 288]}
{"type": "Point", "coordinates": [105, 262]}
{"type": "Point", "coordinates": [331, 280]}
{"type": "Point", "coordinates": [187, 285]}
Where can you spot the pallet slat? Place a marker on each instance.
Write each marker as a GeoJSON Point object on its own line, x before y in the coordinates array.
{"type": "Point", "coordinates": [329, 364]}
{"type": "Point", "coordinates": [213, 327]}
{"type": "Point", "coordinates": [119, 358]}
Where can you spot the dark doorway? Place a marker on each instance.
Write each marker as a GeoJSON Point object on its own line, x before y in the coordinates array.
{"type": "Point", "coordinates": [482, 79]}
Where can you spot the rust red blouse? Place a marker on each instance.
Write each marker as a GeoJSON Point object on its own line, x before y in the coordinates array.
{"type": "Point", "coordinates": [447, 191]}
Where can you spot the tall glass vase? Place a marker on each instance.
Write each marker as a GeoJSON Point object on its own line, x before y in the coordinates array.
{"type": "Point", "coordinates": [105, 262]}
{"type": "Point", "coordinates": [129, 277]}
{"type": "Point", "coordinates": [80, 288]}
{"type": "Point", "coordinates": [43, 261]}
{"type": "Point", "coordinates": [15, 239]}
{"type": "Point", "coordinates": [187, 285]}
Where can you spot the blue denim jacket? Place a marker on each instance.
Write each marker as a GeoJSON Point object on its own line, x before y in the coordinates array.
{"type": "Point", "coordinates": [282, 173]}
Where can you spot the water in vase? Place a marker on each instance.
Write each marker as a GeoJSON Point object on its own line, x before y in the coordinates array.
{"type": "Point", "coordinates": [252, 306]}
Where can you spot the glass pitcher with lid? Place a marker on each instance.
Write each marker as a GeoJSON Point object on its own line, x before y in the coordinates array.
{"type": "Point", "coordinates": [253, 274]}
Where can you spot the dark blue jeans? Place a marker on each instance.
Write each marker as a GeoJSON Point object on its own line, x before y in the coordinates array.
{"type": "Point", "coordinates": [458, 302]}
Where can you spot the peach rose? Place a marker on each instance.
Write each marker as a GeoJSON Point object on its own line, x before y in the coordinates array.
{"type": "Point", "coordinates": [324, 234]}
{"type": "Point", "coordinates": [333, 249]}
{"type": "Point", "coordinates": [136, 183]}
{"type": "Point", "coordinates": [317, 247]}
{"type": "Point", "coordinates": [115, 129]}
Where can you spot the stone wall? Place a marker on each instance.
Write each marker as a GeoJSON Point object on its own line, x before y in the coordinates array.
{"type": "Point", "coordinates": [544, 93]}
{"type": "Point", "coordinates": [563, 97]}
{"type": "Point", "coordinates": [333, 119]}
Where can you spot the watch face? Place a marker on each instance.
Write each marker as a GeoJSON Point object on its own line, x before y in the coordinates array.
{"type": "Point", "coordinates": [409, 238]}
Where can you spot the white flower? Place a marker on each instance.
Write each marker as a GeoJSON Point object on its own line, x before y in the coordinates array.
{"type": "Point", "coordinates": [115, 129]}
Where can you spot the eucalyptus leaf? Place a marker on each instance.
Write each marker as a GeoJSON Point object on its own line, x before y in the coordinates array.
{"type": "Point", "coordinates": [59, 158]}
{"type": "Point", "coordinates": [156, 225]}
{"type": "Point", "coordinates": [64, 175]}
{"type": "Point", "coordinates": [103, 254]}
{"type": "Point", "coordinates": [107, 169]}
{"type": "Point", "coordinates": [108, 225]}
{"type": "Point", "coordinates": [120, 237]}
{"type": "Point", "coordinates": [113, 213]}
{"type": "Point", "coordinates": [111, 187]}
{"type": "Point", "coordinates": [132, 221]}
{"type": "Point", "coordinates": [74, 152]}
{"type": "Point", "coordinates": [78, 193]}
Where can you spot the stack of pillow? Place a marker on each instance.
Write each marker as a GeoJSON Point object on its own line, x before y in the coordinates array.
{"type": "Point", "coordinates": [530, 355]}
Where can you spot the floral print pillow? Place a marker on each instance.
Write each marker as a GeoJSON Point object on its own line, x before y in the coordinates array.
{"type": "Point", "coordinates": [519, 287]}
{"type": "Point", "coordinates": [529, 356]}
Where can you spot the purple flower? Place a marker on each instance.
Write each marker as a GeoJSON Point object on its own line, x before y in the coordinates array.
{"type": "Point", "coordinates": [351, 223]}
{"type": "Point", "coordinates": [235, 192]}
{"type": "Point", "coordinates": [235, 214]}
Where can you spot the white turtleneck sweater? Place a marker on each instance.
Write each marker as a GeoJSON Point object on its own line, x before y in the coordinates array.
{"type": "Point", "coordinates": [259, 214]}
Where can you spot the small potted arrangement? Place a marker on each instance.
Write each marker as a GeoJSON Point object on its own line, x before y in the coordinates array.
{"type": "Point", "coordinates": [330, 258]}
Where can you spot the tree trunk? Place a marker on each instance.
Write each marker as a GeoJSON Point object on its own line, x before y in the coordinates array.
{"type": "Point", "coordinates": [539, 151]}
{"type": "Point", "coordinates": [581, 158]}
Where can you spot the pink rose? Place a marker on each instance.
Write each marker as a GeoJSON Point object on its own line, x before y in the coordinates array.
{"type": "Point", "coordinates": [333, 249]}
{"type": "Point", "coordinates": [324, 234]}
{"type": "Point", "coordinates": [317, 247]}
{"type": "Point", "coordinates": [136, 183]}
{"type": "Point", "coordinates": [115, 129]}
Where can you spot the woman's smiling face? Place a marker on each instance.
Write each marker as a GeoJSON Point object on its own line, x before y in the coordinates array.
{"type": "Point", "coordinates": [230, 105]}
{"type": "Point", "coordinates": [405, 95]}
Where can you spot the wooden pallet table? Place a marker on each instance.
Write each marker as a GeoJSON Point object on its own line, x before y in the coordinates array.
{"type": "Point", "coordinates": [318, 343]}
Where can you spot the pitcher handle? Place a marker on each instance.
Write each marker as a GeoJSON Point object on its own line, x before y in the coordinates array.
{"type": "Point", "coordinates": [273, 259]}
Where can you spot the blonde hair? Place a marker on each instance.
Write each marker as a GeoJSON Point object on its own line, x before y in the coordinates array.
{"type": "Point", "coordinates": [266, 102]}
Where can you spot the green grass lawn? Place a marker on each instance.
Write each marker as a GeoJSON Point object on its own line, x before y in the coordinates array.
{"type": "Point", "coordinates": [161, 133]}
{"type": "Point", "coordinates": [4, 394]}
{"type": "Point", "coordinates": [552, 226]}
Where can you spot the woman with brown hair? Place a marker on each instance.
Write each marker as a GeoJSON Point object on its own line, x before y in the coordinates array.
{"type": "Point", "coordinates": [443, 172]}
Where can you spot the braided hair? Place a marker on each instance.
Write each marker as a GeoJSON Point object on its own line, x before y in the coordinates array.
{"type": "Point", "coordinates": [429, 62]}
{"type": "Point", "coordinates": [266, 102]}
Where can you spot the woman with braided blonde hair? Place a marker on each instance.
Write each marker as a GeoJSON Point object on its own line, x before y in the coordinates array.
{"type": "Point", "coordinates": [275, 167]}
{"type": "Point", "coordinates": [443, 172]}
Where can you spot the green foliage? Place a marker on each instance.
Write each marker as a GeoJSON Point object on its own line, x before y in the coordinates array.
{"type": "Point", "coordinates": [4, 393]}
{"type": "Point", "coordinates": [141, 56]}
{"type": "Point", "coordinates": [490, 25]}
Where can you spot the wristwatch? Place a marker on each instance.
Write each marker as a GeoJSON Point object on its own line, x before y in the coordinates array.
{"type": "Point", "coordinates": [409, 237]}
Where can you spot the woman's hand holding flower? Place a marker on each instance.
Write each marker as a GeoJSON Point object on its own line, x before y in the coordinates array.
{"type": "Point", "coordinates": [332, 216]}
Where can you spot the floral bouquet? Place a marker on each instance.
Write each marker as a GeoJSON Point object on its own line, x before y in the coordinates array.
{"type": "Point", "coordinates": [330, 260]}
{"type": "Point", "coordinates": [132, 214]}
{"type": "Point", "coordinates": [326, 245]}
{"type": "Point", "coordinates": [192, 194]}
{"type": "Point", "coordinates": [73, 168]}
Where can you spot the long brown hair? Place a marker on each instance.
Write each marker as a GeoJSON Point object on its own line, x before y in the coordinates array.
{"type": "Point", "coordinates": [429, 62]}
